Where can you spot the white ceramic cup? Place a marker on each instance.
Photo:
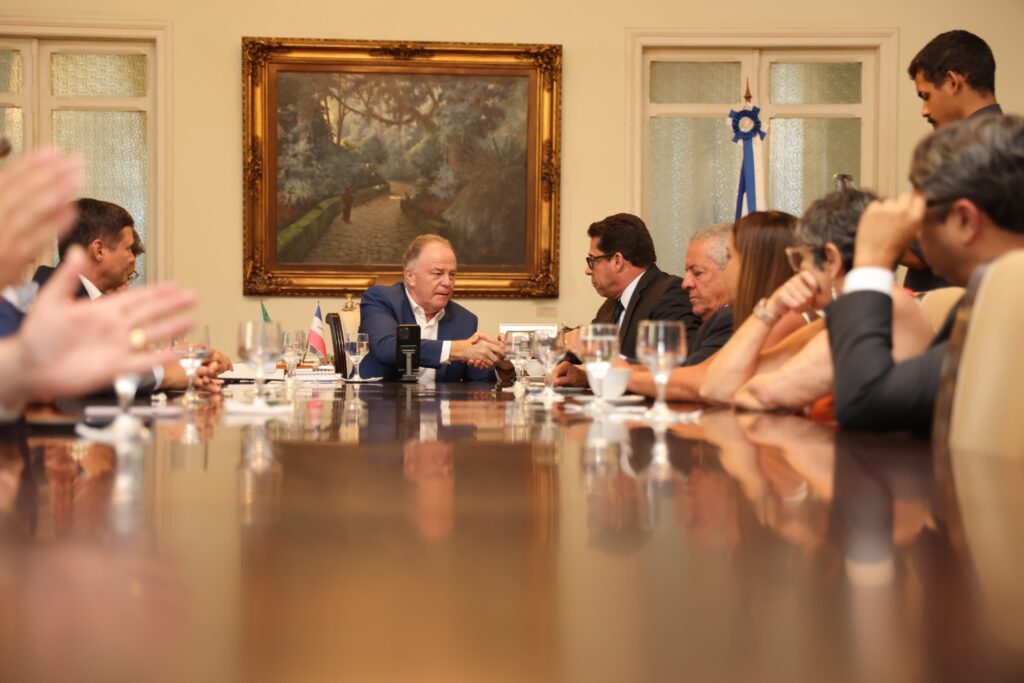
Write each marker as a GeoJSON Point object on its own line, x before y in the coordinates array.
{"type": "Point", "coordinates": [614, 384]}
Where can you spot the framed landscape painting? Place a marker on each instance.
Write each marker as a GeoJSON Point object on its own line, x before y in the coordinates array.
{"type": "Point", "coordinates": [352, 148]}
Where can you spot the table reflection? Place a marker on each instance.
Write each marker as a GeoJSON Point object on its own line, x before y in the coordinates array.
{"type": "Point", "coordinates": [487, 538]}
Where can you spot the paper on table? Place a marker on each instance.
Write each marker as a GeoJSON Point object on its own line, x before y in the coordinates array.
{"type": "Point", "coordinates": [256, 408]}
{"type": "Point", "coordinates": [245, 371]}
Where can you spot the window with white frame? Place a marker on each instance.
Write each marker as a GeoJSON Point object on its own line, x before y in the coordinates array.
{"type": "Point", "coordinates": [92, 97]}
{"type": "Point", "coordinates": [819, 105]}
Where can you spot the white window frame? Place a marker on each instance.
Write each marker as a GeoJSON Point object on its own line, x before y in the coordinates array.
{"type": "Point", "coordinates": [159, 243]}
{"type": "Point", "coordinates": [878, 132]}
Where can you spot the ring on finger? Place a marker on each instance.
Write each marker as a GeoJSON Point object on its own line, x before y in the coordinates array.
{"type": "Point", "coordinates": [137, 339]}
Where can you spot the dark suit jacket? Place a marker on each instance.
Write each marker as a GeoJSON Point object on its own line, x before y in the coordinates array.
{"type": "Point", "coordinates": [711, 336]}
{"type": "Point", "coordinates": [871, 391]}
{"type": "Point", "coordinates": [11, 316]}
{"type": "Point", "coordinates": [658, 296]}
{"type": "Point", "coordinates": [383, 309]}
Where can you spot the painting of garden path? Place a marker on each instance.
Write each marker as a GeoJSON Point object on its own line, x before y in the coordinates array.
{"type": "Point", "coordinates": [367, 161]}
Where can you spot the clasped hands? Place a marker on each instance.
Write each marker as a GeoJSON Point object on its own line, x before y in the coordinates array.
{"type": "Point", "coordinates": [480, 351]}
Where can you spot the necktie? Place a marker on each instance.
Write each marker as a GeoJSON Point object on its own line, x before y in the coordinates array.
{"type": "Point", "coordinates": [617, 311]}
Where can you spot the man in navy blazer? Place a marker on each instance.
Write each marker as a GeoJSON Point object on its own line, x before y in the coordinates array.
{"type": "Point", "coordinates": [451, 350]}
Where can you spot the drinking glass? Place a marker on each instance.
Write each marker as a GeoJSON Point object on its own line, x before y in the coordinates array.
{"type": "Point", "coordinates": [519, 350]}
{"type": "Point", "coordinates": [259, 345]}
{"type": "Point", "coordinates": [599, 344]}
{"type": "Point", "coordinates": [125, 386]}
{"type": "Point", "coordinates": [661, 346]}
{"type": "Point", "coordinates": [548, 348]}
{"type": "Point", "coordinates": [293, 346]}
{"type": "Point", "coordinates": [192, 349]}
{"type": "Point", "coordinates": [357, 345]}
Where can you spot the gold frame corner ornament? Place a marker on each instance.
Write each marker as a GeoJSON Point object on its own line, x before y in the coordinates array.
{"type": "Point", "coordinates": [261, 57]}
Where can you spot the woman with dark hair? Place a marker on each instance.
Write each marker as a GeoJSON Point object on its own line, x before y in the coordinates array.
{"type": "Point", "coordinates": [757, 266]}
{"type": "Point", "coordinates": [752, 370]}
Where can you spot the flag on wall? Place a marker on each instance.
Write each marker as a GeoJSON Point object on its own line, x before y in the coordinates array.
{"type": "Point", "coordinates": [316, 333]}
{"type": "Point", "coordinates": [747, 127]}
{"type": "Point", "coordinates": [266, 316]}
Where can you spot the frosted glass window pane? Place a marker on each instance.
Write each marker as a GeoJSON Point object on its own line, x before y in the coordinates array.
{"type": "Point", "coordinates": [97, 75]}
{"type": "Point", "coordinates": [804, 155]}
{"type": "Point", "coordinates": [695, 82]}
{"type": "Point", "coordinates": [113, 144]}
{"type": "Point", "coordinates": [10, 71]}
{"type": "Point", "coordinates": [12, 127]}
{"type": "Point", "coordinates": [693, 175]}
{"type": "Point", "coordinates": [815, 83]}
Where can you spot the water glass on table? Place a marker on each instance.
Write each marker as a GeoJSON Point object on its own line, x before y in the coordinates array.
{"type": "Point", "coordinates": [599, 344]}
{"type": "Point", "coordinates": [519, 350]}
{"type": "Point", "coordinates": [192, 350]}
{"type": "Point", "coordinates": [293, 345]}
{"type": "Point", "coordinates": [549, 348]}
{"type": "Point", "coordinates": [661, 347]}
{"type": "Point", "coordinates": [357, 345]}
{"type": "Point", "coordinates": [260, 345]}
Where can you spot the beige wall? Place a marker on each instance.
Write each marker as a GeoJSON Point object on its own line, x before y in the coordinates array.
{"type": "Point", "coordinates": [206, 137]}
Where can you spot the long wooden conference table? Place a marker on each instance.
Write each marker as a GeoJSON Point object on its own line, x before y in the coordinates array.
{"type": "Point", "coordinates": [453, 533]}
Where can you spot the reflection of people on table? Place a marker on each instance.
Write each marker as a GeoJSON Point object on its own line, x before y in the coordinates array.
{"type": "Point", "coordinates": [430, 465]}
{"type": "Point", "coordinates": [451, 349]}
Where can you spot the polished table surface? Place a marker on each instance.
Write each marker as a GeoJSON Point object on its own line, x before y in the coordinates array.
{"type": "Point", "coordinates": [410, 533]}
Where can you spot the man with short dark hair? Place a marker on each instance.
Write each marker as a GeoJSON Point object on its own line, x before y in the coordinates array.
{"type": "Point", "coordinates": [966, 209]}
{"type": "Point", "coordinates": [955, 76]}
{"type": "Point", "coordinates": [451, 349]}
{"type": "Point", "coordinates": [621, 266]}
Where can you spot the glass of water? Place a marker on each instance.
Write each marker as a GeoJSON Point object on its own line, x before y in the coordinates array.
{"type": "Point", "coordinates": [549, 348]}
{"type": "Point", "coordinates": [357, 345]}
{"type": "Point", "coordinates": [661, 347]}
{"type": "Point", "coordinates": [519, 350]}
{"type": "Point", "coordinates": [293, 345]}
{"type": "Point", "coordinates": [259, 345]}
{"type": "Point", "coordinates": [599, 344]}
{"type": "Point", "coordinates": [192, 350]}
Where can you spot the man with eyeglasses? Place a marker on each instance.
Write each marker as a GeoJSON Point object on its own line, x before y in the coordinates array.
{"type": "Point", "coordinates": [966, 209]}
{"type": "Point", "coordinates": [621, 266]}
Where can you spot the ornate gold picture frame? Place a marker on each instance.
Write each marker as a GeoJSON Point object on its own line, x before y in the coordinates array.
{"type": "Point", "coordinates": [351, 148]}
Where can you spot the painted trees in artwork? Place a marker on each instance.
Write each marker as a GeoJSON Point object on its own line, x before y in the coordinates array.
{"type": "Point", "coordinates": [460, 141]}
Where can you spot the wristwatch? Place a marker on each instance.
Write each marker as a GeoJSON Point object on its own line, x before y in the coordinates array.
{"type": "Point", "coordinates": [761, 313]}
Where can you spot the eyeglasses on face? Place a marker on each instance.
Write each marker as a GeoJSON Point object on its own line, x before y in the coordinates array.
{"type": "Point", "coordinates": [591, 260]}
{"type": "Point", "coordinates": [797, 255]}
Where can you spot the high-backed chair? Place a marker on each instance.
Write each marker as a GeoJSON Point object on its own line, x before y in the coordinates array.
{"type": "Point", "coordinates": [939, 302]}
{"type": "Point", "coordinates": [342, 324]}
{"type": "Point", "coordinates": [980, 406]}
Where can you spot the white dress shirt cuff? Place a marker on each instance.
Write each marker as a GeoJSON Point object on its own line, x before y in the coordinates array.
{"type": "Point", "coordinates": [446, 349]}
{"type": "Point", "coordinates": [158, 376]}
{"type": "Point", "coordinates": [878, 280]}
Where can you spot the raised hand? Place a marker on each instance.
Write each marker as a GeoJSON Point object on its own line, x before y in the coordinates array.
{"type": "Point", "coordinates": [69, 347]}
{"type": "Point", "coordinates": [35, 208]}
{"type": "Point", "coordinates": [886, 230]}
{"type": "Point", "coordinates": [796, 294]}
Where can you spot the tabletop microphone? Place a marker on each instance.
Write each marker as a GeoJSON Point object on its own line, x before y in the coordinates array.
{"type": "Point", "coordinates": [407, 352]}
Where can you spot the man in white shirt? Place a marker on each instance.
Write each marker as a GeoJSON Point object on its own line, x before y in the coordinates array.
{"type": "Point", "coordinates": [451, 349]}
{"type": "Point", "coordinates": [966, 209]}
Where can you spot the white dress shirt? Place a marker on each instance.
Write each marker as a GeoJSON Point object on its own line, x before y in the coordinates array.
{"type": "Point", "coordinates": [428, 330]}
{"type": "Point", "coordinates": [626, 296]}
{"type": "Point", "coordinates": [869, 279]}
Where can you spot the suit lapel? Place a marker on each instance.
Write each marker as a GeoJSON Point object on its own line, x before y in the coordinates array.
{"type": "Point", "coordinates": [634, 301]}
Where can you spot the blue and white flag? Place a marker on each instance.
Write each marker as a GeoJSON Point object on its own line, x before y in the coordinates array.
{"type": "Point", "coordinates": [747, 127]}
